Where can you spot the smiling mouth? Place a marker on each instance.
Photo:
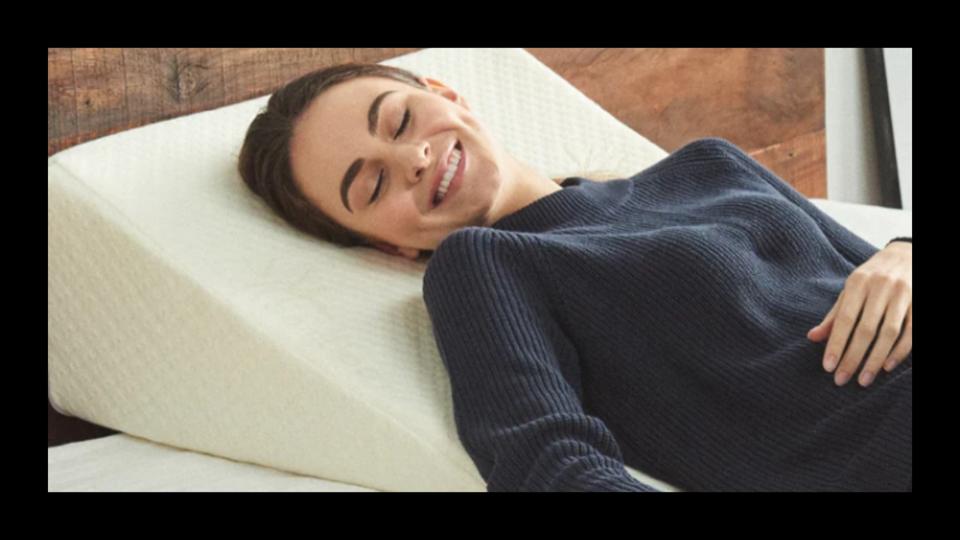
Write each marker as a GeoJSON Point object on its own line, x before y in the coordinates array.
{"type": "Point", "coordinates": [453, 169]}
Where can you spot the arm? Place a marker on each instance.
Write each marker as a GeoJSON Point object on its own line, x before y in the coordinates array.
{"type": "Point", "coordinates": [848, 244]}
{"type": "Point", "coordinates": [513, 375]}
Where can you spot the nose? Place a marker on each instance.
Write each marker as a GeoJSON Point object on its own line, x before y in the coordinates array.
{"type": "Point", "coordinates": [417, 161]}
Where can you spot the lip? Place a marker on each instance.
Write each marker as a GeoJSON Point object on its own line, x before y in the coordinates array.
{"type": "Point", "coordinates": [442, 168]}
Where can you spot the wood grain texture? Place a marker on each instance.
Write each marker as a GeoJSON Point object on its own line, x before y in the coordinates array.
{"type": "Point", "coordinates": [770, 102]}
{"type": "Point", "coordinates": [801, 161]}
{"type": "Point", "coordinates": [96, 92]}
{"type": "Point", "coordinates": [755, 98]}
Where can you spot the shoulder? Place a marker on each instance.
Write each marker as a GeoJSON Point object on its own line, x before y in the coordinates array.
{"type": "Point", "coordinates": [470, 248]}
{"type": "Point", "coordinates": [474, 255]}
{"type": "Point", "coordinates": [714, 147]}
{"type": "Point", "coordinates": [710, 154]}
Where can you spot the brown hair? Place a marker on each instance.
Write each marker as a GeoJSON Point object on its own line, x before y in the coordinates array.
{"type": "Point", "coordinates": [264, 162]}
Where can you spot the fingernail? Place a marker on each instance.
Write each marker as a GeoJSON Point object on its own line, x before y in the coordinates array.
{"type": "Point", "coordinates": [842, 378]}
{"type": "Point", "coordinates": [866, 378]}
{"type": "Point", "coordinates": [889, 366]}
{"type": "Point", "coordinates": [830, 362]}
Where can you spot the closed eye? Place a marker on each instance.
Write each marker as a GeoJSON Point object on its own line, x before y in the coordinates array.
{"type": "Point", "coordinates": [403, 124]}
{"type": "Point", "coordinates": [400, 130]}
{"type": "Point", "coordinates": [376, 192]}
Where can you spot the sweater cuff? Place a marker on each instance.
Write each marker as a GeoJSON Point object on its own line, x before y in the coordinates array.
{"type": "Point", "coordinates": [901, 239]}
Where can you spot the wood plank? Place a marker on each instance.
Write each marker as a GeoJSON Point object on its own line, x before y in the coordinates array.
{"type": "Point", "coordinates": [799, 161]}
{"type": "Point", "coordinates": [96, 92]}
{"type": "Point", "coordinates": [100, 90]}
{"type": "Point", "coordinates": [755, 98]}
{"type": "Point", "coordinates": [61, 101]}
{"type": "Point", "coordinates": [167, 83]}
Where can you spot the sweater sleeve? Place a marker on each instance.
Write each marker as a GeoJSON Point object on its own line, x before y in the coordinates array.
{"type": "Point", "coordinates": [514, 374]}
{"type": "Point", "coordinates": [852, 247]}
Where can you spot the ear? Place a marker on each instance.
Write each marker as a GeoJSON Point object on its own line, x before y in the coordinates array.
{"type": "Point", "coordinates": [390, 249]}
{"type": "Point", "coordinates": [436, 86]}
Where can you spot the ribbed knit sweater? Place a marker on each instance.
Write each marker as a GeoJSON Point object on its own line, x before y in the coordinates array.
{"type": "Point", "coordinates": [660, 321]}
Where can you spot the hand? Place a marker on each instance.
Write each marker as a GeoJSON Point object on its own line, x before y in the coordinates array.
{"type": "Point", "coordinates": [881, 288]}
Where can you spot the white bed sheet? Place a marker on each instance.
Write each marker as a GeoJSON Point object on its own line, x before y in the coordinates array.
{"type": "Point", "coordinates": [125, 463]}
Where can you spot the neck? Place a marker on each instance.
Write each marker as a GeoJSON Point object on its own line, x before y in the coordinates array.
{"type": "Point", "coordinates": [527, 187]}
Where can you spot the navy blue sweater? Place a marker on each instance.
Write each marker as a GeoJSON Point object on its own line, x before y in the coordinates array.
{"type": "Point", "coordinates": [660, 321]}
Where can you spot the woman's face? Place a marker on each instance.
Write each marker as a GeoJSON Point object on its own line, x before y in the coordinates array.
{"type": "Point", "coordinates": [374, 129]}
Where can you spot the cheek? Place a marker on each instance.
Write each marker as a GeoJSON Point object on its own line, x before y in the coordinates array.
{"type": "Point", "coordinates": [401, 214]}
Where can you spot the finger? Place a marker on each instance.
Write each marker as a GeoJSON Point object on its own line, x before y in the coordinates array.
{"type": "Point", "coordinates": [844, 321]}
{"type": "Point", "coordinates": [863, 335]}
{"type": "Point", "coordinates": [904, 346]}
{"type": "Point", "coordinates": [822, 331]}
{"type": "Point", "coordinates": [890, 329]}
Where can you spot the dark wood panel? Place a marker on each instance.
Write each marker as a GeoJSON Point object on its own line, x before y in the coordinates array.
{"type": "Point", "coordinates": [801, 161]}
{"type": "Point", "coordinates": [96, 92]}
{"type": "Point", "coordinates": [756, 98]}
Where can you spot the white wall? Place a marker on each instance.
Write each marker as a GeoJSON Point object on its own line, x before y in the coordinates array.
{"type": "Point", "coordinates": [852, 174]}
{"type": "Point", "coordinates": [899, 65]}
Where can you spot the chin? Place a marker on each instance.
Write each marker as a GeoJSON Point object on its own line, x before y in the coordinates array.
{"type": "Point", "coordinates": [482, 206]}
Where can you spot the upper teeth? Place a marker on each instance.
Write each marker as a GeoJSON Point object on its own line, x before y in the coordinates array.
{"type": "Point", "coordinates": [448, 176]}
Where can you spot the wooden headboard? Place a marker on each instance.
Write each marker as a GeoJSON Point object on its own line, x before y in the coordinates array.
{"type": "Point", "coordinates": [770, 102]}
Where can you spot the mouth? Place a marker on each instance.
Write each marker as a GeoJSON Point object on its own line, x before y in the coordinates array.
{"type": "Point", "coordinates": [437, 197]}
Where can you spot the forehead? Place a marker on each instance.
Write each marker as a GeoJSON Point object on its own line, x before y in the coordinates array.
{"type": "Point", "coordinates": [342, 109]}
{"type": "Point", "coordinates": [352, 97]}
{"type": "Point", "coordinates": [332, 132]}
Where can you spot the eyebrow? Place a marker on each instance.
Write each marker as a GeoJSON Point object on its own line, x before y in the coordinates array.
{"type": "Point", "coordinates": [373, 118]}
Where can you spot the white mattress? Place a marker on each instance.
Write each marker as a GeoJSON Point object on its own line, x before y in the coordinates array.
{"type": "Point", "coordinates": [125, 463]}
{"type": "Point", "coordinates": [182, 311]}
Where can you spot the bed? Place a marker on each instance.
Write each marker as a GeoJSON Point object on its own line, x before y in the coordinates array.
{"type": "Point", "coordinates": [227, 347]}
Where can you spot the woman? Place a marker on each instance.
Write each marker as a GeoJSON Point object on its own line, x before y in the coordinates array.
{"type": "Point", "coordinates": [662, 321]}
